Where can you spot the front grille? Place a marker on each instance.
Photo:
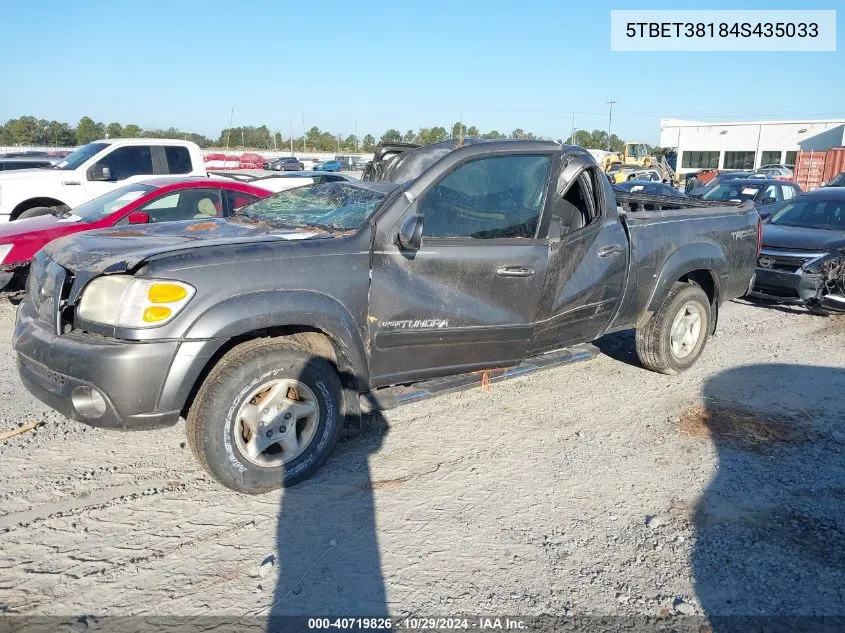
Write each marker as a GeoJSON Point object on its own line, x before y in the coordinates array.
{"type": "Point", "coordinates": [784, 260]}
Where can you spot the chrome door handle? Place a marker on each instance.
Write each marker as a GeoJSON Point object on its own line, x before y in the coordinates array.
{"type": "Point", "coordinates": [514, 271]}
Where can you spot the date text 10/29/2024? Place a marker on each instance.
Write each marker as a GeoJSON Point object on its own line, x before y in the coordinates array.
{"type": "Point", "coordinates": [419, 624]}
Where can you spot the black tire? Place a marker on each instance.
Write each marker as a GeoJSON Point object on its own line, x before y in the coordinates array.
{"type": "Point", "coordinates": [654, 347]}
{"type": "Point", "coordinates": [211, 423]}
{"type": "Point", "coordinates": [34, 212]}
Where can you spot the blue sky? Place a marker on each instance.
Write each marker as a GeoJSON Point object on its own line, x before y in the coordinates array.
{"type": "Point", "coordinates": [380, 64]}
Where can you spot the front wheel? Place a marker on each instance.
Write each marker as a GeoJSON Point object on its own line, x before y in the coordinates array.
{"type": "Point", "coordinates": [35, 212]}
{"type": "Point", "coordinates": [268, 415]}
{"type": "Point", "coordinates": [676, 334]}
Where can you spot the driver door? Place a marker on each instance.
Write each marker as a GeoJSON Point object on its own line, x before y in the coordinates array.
{"type": "Point", "coordinates": [467, 298]}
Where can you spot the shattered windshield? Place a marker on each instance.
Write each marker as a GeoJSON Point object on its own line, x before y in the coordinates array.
{"type": "Point", "coordinates": [331, 206]}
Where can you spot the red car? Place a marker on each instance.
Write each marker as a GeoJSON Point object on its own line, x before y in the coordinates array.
{"type": "Point", "coordinates": [156, 200]}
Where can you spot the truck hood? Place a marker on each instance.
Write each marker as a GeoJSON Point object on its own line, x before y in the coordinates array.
{"type": "Point", "coordinates": [802, 238]}
{"type": "Point", "coordinates": [120, 249]}
{"type": "Point", "coordinates": [22, 175]}
{"type": "Point", "coordinates": [9, 231]}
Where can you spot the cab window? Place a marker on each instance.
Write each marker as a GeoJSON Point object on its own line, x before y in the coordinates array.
{"type": "Point", "coordinates": [488, 198]}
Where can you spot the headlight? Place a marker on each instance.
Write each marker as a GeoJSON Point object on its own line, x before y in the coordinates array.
{"type": "Point", "coordinates": [4, 250]}
{"type": "Point", "coordinates": [124, 301]}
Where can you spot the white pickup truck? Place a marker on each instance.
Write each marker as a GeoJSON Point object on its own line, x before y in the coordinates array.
{"type": "Point", "coordinates": [93, 170]}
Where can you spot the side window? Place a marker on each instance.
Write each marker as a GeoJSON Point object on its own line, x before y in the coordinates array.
{"type": "Point", "coordinates": [789, 193]}
{"type": "Point", "coordinates": [188, 204]}
{"type": "Point", "coordinates": [580, 203]}
{"type": "Point", "coordinates": [178, 160]}
{"type": "Point", "coordinates": [129, 161]}
{"type": "Point", "coordinates": [772, 191]}
{"type": "Point", "coordinates": [234, 200]}
{"type": "Point", "coordinates": [488, 198]}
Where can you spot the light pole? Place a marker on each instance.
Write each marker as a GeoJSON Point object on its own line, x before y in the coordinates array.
{"type": "Point", "coordinates": [609, 121]}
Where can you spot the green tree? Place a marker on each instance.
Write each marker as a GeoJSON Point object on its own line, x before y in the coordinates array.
{"type": "Point", "coordinates": [114, 130]}
{"type": "Point", "coordinates": [428, 136]}
{"type": "Point", "coordinates": [24, 131]}
{"type": "Point", "coordinates": [391, 136]}
{"type": "Point", "coordinates": [458, 130]}
{"type": "Point", "coordinates": [616, 144]}
{"type": "Point", "coordinates": [60, 134]}
{"type": "Point", "coordinates": [582, 138]}
{"type": "Point", "coordinates": [493, 134]}
{"type": "Point", "coordinates": [87, 130]}
{"type": "Point", "coordinates": [473, 132]}
{"type": "Point", "coordinates": [409, 136]}
{"type": "Point", "coordinates": [350, 143]}
{"type": "Point", "coordinates": [598, 140]}
{"type": "Point", "coordinates": [132, 131]}
{"type": "Point", "coordinates": [369, 143]}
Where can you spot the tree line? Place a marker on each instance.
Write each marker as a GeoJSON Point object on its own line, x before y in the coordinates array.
{"type": "Point", "coordinates": [28, 130]}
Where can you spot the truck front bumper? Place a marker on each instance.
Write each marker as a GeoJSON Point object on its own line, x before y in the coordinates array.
{"type": "Point", "coordinates": [785, 287]}
{"type": "Point", "coordinates": [99, 381]}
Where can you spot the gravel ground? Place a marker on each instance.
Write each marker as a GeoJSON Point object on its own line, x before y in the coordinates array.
{"type": "Point", "coordinates": [598, 488]}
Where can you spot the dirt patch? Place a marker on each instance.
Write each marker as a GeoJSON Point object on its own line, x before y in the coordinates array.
{"type": "Point", "coordinates": [747, 429]}
{"type": "Point", "coordinates": [201, 226]}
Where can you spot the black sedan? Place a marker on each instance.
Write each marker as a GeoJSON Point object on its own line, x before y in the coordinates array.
{"type": "Point", "coordinates": [764, 193]}
{"type": "Point", "coordinates": [803, 256]}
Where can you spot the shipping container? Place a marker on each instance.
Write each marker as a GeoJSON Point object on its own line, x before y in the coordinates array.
{"type": "Point", "coordinates": [809, 170]}
{"type": "Point", "coordinates": [834, 163]}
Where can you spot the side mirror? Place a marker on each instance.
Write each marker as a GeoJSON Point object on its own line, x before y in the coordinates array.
{"type": "Point", "coordinates": [768, 200]}
{"type": "Point", "coordinates": [410, 233]}
{"type": "Point", "coordinates": [99, 173]}
{"type": "Point", "coordinates": [138, 217]}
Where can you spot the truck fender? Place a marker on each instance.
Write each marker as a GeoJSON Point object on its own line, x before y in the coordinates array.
{"type": "Point", "coordinates": [242, 315]}
{"type": "Point", "coordinates": [698, 256]}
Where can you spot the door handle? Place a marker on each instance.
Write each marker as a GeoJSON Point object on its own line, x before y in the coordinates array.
{"type": "Point", "coordinates": [514, 271]}
{"type": "Point", "coordinates": [610, 251]}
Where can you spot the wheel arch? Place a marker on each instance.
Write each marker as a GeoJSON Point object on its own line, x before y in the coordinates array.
{"type": "Point", "coordinates": [31, 203]}
{"type": "Point", "coordinates": [701, 262]}
{"type": "Point", "coordinates": [311, 321]}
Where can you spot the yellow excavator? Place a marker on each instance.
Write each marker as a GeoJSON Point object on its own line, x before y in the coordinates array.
{"type": "Point", "coordinates": [633, 154]}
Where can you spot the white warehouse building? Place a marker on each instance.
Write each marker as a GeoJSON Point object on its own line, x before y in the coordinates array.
{"type": "Point", "coordinates": [747, 144]}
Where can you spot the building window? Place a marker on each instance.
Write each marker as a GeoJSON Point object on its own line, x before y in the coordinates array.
{"type": "Point", "coordinates": [700, 160]}
{"type": "Point", "coordinates": [790, 159]}
{"type": "Point", "coordinates": [739, 160]}
{"type": "Point", "coordinates": [771, 158]}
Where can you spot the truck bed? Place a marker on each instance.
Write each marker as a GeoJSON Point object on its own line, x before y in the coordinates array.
{"type": "Point", "coordinates": [642, 202]}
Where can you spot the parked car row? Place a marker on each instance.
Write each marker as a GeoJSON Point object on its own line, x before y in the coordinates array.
{"type": "Point", "coordinates": [291, 163]}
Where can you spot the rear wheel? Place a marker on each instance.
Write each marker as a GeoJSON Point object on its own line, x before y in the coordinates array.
{"type": "Point", "coordinates": [676, 334]}
{"type": "Point", "coordinates": [268, 415]}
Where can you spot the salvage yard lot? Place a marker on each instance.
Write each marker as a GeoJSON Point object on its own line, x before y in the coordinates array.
{"type": "Point", "coordinates": [594, 488]}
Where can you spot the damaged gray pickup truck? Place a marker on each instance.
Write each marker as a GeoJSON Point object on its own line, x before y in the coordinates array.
{"type": "Point", "coordinates": [462, 262]}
